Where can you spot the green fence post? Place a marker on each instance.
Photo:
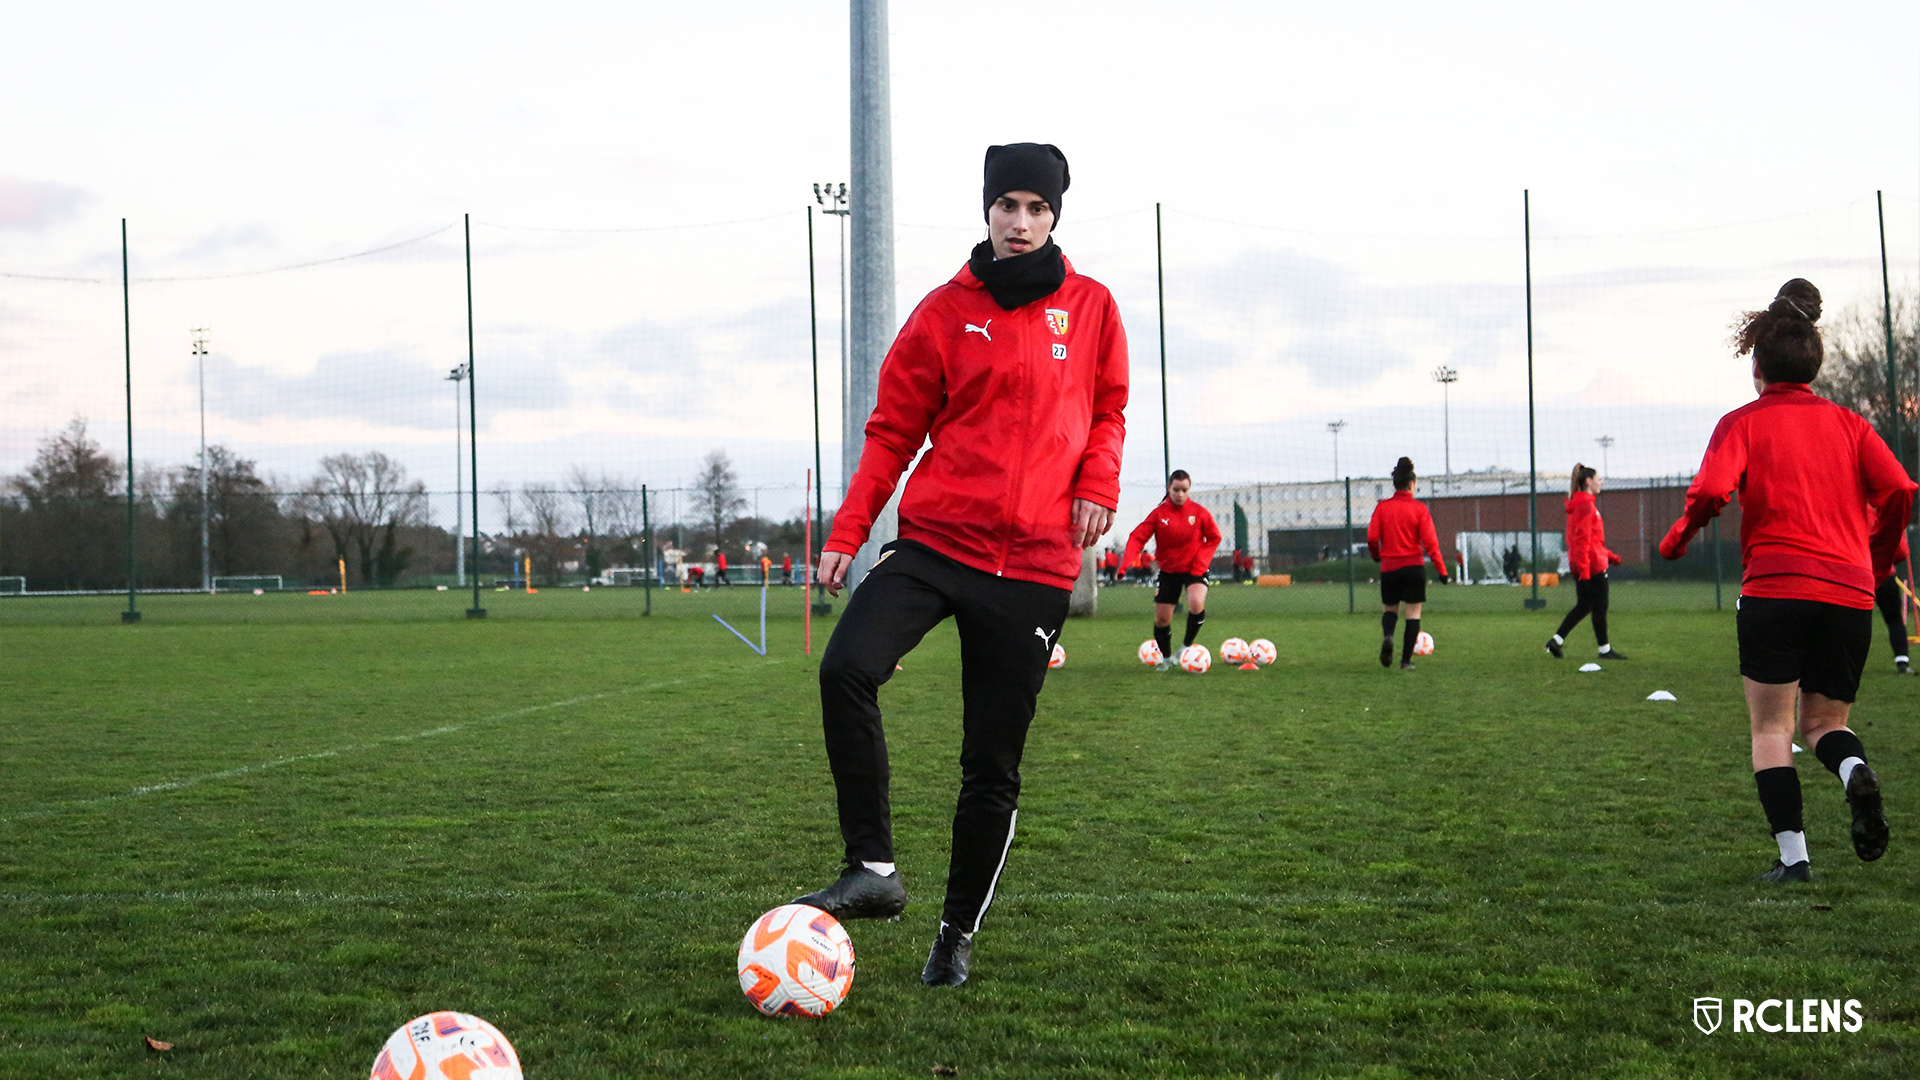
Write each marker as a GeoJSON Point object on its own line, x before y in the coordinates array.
{"type": "Point", "coordinates": [646, 543]}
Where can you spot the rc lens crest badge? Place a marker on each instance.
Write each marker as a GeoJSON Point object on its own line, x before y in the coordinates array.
{"type": "Point", "coordinates": [1706, 1015]}
{"type": "Point", "coordinates": [1057, 318]}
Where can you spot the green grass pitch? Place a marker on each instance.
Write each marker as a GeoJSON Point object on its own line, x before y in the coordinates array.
{"type": "Point", "coordinates": [271, 829]}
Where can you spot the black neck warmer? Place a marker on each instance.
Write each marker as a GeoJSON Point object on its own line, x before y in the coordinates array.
{"type": "Point", "coordinates": [1021, 279]}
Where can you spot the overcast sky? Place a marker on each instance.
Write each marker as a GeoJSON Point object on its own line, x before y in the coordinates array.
{"type": "Point", "coordinates": [239, 137]}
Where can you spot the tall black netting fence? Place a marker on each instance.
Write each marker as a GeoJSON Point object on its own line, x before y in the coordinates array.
{"type": "Point", "coordinates": [331, 396]}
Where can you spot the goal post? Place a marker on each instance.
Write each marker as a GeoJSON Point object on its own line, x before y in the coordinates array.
{"type": "Point", "coordinates": [248, 583]}
{"type": "Point", "coordinates": [1484, 555]}
{"type": "Point", "coordinates": [12, 586]}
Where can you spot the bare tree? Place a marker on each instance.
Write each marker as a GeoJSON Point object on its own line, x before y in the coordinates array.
{"type": "Point", "coordinates": [546, 537]}
{"type": "Point", "coordinates": [589, 494]}
{"type": "Point", "coordinates": [363, 500]}
{"type": "Point", "coordinates": [1855, 371]}
{"type": "Point", "coordinates": [716, 495]}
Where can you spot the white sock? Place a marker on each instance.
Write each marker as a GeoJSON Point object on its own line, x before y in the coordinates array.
{"type": "Point", "coordinates": [884, 869]}
{"type": "Point", "coordinates": [964, 934]}
{"type": "Point", "coordinates": [1605, 648]}
{"type": "Point", "coordinates": [1899, 659]}
{"type": "Point", "coordinates": [1846, 769]}
{"type": "Point", "coordinates": [1558, 640]}
{"type": "Point", "coordinates": [1793, 847]}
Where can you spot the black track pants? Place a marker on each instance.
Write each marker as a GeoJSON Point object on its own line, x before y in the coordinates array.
{"type": "Point", "coordinates": [1007, 632]}
{"type": "Point", "coordinates": [1590, 597]}
{"type": "Point", "coordinates": [1888, 599]}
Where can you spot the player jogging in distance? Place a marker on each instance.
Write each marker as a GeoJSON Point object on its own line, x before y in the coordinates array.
{"type": "Point", "coordinates": [1822, 505]}
{"type": "Point", "coordinates": [720, 567]}
{"type": "Point", "coordinates": [1891, 600]}
{"type": "Point", "coordinates": [1184, 539]}
{"type": "Point", "coordinates": [1588, 555]}
{"type": "Point", "coordinates": [1016, 372]}
{"type": "Point", "coordinates": [1400, 537]}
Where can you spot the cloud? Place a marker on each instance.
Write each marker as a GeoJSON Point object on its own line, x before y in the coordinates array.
{"type": "Point", "coordinates": [33, 205]}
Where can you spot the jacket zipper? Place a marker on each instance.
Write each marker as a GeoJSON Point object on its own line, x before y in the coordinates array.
{"type": "Point", "coordinates": [1026, 423]}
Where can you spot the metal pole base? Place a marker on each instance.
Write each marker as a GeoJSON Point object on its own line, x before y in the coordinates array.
{"type": "Point", "coordinates": [1535, 603]}
{"type": "Point", "coordinates": [129, 617]}
{"type": "Point", "coordinates": [481, 613]}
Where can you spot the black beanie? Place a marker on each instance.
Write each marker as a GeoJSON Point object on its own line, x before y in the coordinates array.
{"type": "Point", "coordinates": [1037, 167]}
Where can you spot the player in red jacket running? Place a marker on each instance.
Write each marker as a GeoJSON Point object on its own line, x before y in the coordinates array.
{"type": "Point", "coordinates": [1891, 600]}
{"type": "Point", "coordinates": [1398, 536]}
{"type": "Point", "coordinates": [1016, 372]}
{"type": "Point", "coordinates": [1588, 555]}
{"type": "Point", "coordinates": [1184, 539]}
{"type": "Point", "coordinates": [1823, 503]}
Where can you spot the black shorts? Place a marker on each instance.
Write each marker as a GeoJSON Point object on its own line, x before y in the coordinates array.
{"type": "Point", "coordinates": [1823, 647]}
{"type": "Point", "coordinates": [1407, 585]}
{"type": "Point", "coordinates": [1173, 586]}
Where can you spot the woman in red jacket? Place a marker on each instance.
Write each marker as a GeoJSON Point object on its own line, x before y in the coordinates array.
{"type": "Point", "coordinates": [1588, 555]}
{"type": "Point", "coordinates": [1013, 375]}
{"type": "Point", "coordinates": [1184, 539]}
{"type": "Point", "coordinates": [1400, 536]}
{"type": "Point", "coordinates": [1823, 504]}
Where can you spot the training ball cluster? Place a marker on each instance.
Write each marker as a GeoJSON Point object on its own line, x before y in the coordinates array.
{"type": "Point", "coordinates": [1150, 652]}
{"type": "Point", "coordinates": [1423, 645]}
{"type": "Point", "coordinates": [1195, 659]}
{"type": "Point", "coordinates": [1058, 659]}
{"type": "Point", "coordinates": [1234, 651]}
{"type": "Point", "coordinates": [796, 960]}
{"type": "Point", "coordinates": [447, 1046]}
{"type": "Point", "coordinates": [1262, 652]}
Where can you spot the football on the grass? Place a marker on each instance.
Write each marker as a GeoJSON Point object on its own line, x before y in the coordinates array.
{"type": "Point", "coordinates": [1195, 659]}
{"type": "Point", "coordinates": [796, 960]}
{"type": "Point", "coordinates": [1262, 652]}
{"type": "Point", "coordinates": [1423, 645]}
{"type": "Point", "coordinates": [1234, 651]}
{"type": "Point", "coordinates": [1150, 652]}
{"type": "Point", "coordinates": [447, 1046]}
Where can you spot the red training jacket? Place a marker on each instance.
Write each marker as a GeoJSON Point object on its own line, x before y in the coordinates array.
{"type": "Point", "coordinates": [1823, 502]}
{"type": "Point", "coordinates": [1400, 530]}
{"type": "Point", "coordinates": [1025, 411]}
{"type": "Point", "coordinates": [1184, 537]}
{"type": "Point", "coordinates": [1587, 550]}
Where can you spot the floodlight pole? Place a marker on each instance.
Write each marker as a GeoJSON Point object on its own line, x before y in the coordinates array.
{"type": "Point", "coordinates": [1606, 444]}
{"type": "Point", "coordinates": [1335, 429]}
{"type": "Point", "coordinates": [1886, 293]}
{"type": "Point", "coordinates": [1446, 377]}
{"type": "Point", "coordinates": [199, 335]}
{"type": "Point", "coordinates": [819, 600]}
{"type": "Point", "coordinates": [1534, 602]}
{"type": "Point", "coordinates": [473, 423]}
{"type": "Point", "coordinates": [458, 376]}
{"type": "Point", "coordinates": [1160, 283]}
{"type": "Point", "coordinates": [132, 614]}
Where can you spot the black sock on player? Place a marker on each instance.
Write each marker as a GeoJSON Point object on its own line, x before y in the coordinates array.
{"type": "Point", "coordinates": [1779, 789]}
{"type": "Point", "coordinates": [1406, 644]}
{"type": "Point", "coordinates": [1387, 622]}
{"type": "Point", "coordinates": [1194, 621]}
{"type": "Point", "coordinates": [1163, 637]}
{"type": "Point", "coordinates": [1835, 748]}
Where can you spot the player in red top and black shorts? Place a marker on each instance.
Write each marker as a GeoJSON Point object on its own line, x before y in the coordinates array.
{"type": "Point", "coordinates": [1588, 555]}
{"type": "Point", "coordinates": [1184, 539]}
{"type": "Point", "coordinates": [1400, 537]}
{"type": "Point", "coordinates": [1891, 600]}
{"type": "Point", "coordinates": [1823, 503]}
{"type": "Point", "coordinates": [1013, 375]}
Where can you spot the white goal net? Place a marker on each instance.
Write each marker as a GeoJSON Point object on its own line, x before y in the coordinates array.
{"type": "Point", "coordinates": [1487, 557]}
{"type": "Point", "coordinates": [247, 583]}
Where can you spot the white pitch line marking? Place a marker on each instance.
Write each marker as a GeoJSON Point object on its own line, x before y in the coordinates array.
{"type": "Point", "coordinates": [243, 770]}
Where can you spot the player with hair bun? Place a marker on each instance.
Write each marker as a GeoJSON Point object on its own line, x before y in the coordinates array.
{"type": "Point", "coordinates": [1588, 555]}
{"type": "Point", "coordinates": [1823, 506]}
{"type": "Point", "coordinates": [1184, 539]}
{"type": "Point", "coordinates": [1400, 537]}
